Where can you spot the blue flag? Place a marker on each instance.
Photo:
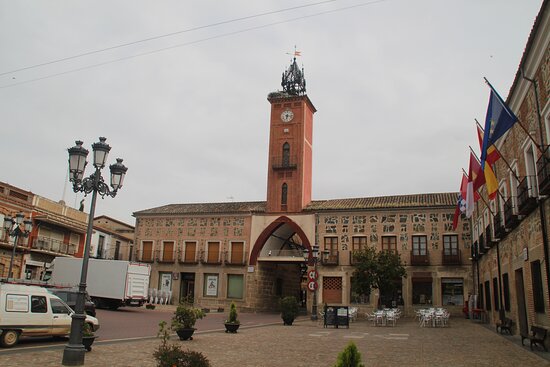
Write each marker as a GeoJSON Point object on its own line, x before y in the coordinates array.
{"type": "Point", "coordinates": [499, 119]}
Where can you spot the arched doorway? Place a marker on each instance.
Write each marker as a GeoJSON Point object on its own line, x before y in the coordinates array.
{"type": "Point", "coordinates": [279, 266]}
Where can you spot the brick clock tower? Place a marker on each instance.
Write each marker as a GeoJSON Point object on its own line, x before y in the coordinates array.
{"type": "Point", "coordinates": [290, 145]}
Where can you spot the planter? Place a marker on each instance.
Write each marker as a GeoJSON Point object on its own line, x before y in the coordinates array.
{"type": "Point", "coordinates": [185, 334]}
{"type": "Point", "coordinates": [231, 328]}
{"type": "Point", "coordinates": [288, 320]}
{"type": "Point", "coordinates": [87, 342]}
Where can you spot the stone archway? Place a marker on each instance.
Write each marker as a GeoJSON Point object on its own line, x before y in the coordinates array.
{"type": "Point", "coordinates": [277, 258]}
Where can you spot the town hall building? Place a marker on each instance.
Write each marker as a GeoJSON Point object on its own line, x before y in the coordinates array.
{"type": "Point", "coordinates": [252, 253]}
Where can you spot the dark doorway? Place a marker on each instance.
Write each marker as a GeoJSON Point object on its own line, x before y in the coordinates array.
{"type": "Point", "coordinates": [187, 287]}
{"type": "Point", "coordinates": [522, 310]}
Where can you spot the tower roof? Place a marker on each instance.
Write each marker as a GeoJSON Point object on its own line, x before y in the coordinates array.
{"type": "Point", "coordinates": [293, 82]}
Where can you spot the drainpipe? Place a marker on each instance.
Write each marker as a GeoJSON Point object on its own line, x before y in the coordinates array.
{"type": "Point", "coordinates": [540, 201]}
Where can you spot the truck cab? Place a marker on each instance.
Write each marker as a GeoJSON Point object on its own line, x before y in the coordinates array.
{"type": "Point", "coordinates": [27, 311]}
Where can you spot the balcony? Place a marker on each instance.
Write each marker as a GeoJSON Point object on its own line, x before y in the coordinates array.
{"type": "Point", "coordinates": [451, 256]}
{"type": "Point", "coordinates": [209, 258]}
{"type": "Point", "coordinates": [166, 257]}
{"type": "Point", "coordinates": [490, 239]}
{"type": "Point", "coordinates": [236, 259]}
{"type": "Point", "coordinates": [474, 252]}
{"type": "Point", "coordinates": [282, 163]}
{"type": "Point", "coordinates": [419, 260]}
{"type": "Point", "coordinates": [511, 219]}
{"type": "Point", "coordinates": [527, 201]}
{"type": "Point", "coordinates": [500, 230]}
{"type": "Point", "coordinates": [329, 259]}
{"type": "Point", "coordinates": [543, 174]}
{"type": "Point", "coordinates": [51, 245]}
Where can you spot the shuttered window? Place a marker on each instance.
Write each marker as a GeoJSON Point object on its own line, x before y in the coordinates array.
{"type": "Point", "coordinates": [213, 252]}
{"type": "Point", "coordinates": [190, 252]}
{"type": "Point", "coordinates": [147, 251]}
{"type": "Point", "coordinates": [168, 251]}
{"type": "Point", "coordinates": [237, 252]}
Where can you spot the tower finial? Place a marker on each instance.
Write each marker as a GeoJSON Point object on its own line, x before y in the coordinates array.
{"type": "Point", "coordinates": [293, 81]}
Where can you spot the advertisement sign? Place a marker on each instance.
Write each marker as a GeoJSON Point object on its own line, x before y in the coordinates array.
{"type": "Point", "coordinates": [212, 285]}
{"type": "Point", "coordinates": [166, 282]}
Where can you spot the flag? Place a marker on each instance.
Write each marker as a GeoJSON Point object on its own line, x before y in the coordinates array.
{"type": "Point", "coordinates": [461, 202]}
{"type": "Point", "coordinates": [498, 120]}
{"type": "Point", "coordinates": [297, 53]}
{"type": "Point", "coordinates": [473, 175]}
{"type": "Point", "coordinates": [482, 177]}
{"type": "Point", "coordinates": [492, 152]}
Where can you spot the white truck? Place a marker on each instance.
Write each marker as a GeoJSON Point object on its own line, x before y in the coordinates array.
{"type": "Point", "coordinates": [110, 283]}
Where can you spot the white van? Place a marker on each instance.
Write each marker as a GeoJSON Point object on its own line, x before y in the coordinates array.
{"type": "Point", "coordinates": [33, 311]}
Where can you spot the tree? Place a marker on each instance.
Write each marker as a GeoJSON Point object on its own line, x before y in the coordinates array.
{"type": "Point", "coordinates": [376, 270]}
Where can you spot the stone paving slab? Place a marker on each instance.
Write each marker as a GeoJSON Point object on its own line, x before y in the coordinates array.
{"type": "Point", "coordinates": [307, 343]}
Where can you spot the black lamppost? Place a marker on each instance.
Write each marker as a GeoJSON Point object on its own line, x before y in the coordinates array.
{"type": "Point", "coordinates": [73, 355]}
{"type": "Point", "coordinates": [313, 258]}
{"type": "Point", "coordinates": [13, 228]}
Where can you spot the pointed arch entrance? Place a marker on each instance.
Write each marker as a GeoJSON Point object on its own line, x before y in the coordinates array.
{"type": "Point", "coordinates": [279, 266]}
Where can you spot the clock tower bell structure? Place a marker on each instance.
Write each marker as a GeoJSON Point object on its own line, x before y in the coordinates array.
{"type": "Point", "coordinates": [290, 145]}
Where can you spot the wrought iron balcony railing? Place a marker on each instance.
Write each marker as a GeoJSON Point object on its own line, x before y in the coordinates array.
{"type": "Point", "coordinates": [419, 259]}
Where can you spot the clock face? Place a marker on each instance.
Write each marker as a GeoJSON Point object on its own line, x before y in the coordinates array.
{"type": "Point", "coordinates": [287, 116]}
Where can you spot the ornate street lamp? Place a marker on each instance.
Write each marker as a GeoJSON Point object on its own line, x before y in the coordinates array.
{"type": "Point", "coordinates": [313, 258]}
{"type": "Point", "coordinates": [13, 228]}
{"type": "Point", "coordinates": [74, 352]}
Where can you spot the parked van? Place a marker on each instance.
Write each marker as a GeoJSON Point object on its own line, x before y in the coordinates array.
{"type": "Point", "coordinates": [33, 311]}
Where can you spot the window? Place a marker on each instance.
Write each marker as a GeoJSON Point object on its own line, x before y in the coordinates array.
{"type": "Point", "coordinates": [237, 252]}
{"type": "Point", "coordinates": [147, 251]}
{"type": "Point", "coordinates": [419, 245]}
{"type": "Point", "coordinates": [168, 251]}
{"type": "Point", "coordinates": [331, 245]}
{"type": "Point", "coordinates": [421, 291]}
{"type": "Point", "coordinates": [190, 252]}
{"type": "Point", "coordinates": [213, 252]}
{"type": "Point", "coordinates": [286, 155]}
{"type": "Point", "coordinates": [514, 187]}
{"type": "Point", "coordinates": [495, 294]}
{"type": "Point", "coordinates": [530, 167]}
{"type": "Point", "coordinates": [389, 243]}
{"type": "Point", "coordinates": [39, 304]}
{"type": "Point", "coordinates": [452, 291]}
{"type": "Point", "coordinates": [356, 297]}
{"type": "Point", "coordinates": [100, 247]}
{"type": "Point", "coordinates": [235, 286]}
{"type": "Point", "coordinates": [450, 244]}
{"type": "Point", "coordinates": [210, 285]}
{"type": "Point", "coordinates": [58, 307]}
{"type": "Point", "coordinates": [506, 286]}
{"type": "Point", "coordinates": [117, 250]}
{"type": "Point", "coordinates": [284, 194]}
{"type": "Point", "coordinates": [358, 243]}
{"type": "Point", "coordinates": [480, 298]}
{"type": "Point", "coordinates": [487, 296]}
{"type": "Point", "coordinates": [538, 291]}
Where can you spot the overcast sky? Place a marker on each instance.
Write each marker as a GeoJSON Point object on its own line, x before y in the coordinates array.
{"type": "Point", "coordinates": [397, 85]}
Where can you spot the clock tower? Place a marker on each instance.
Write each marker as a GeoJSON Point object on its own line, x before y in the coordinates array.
{"type": "Point", "coordinates": [290, 145]}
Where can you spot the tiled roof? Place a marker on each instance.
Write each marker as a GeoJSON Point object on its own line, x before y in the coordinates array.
{"type": "Point", "coordinates": [207, 208]}
{"type": "Point", "coordinates": [386, 202]}
{"type": "Point", "coordinates": [381, 202]}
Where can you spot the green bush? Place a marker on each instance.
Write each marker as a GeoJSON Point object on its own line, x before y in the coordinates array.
{"type": "Point", "coordinates": [185, 316]}
{"type": "Point", "coordinates": [171, 355]}
{"type": "Point", "coordinates": [289, 309]}
{"type": "Point", "coordinates": [232, 315]}
{"type": "Point", "coordinates": [349, 357]}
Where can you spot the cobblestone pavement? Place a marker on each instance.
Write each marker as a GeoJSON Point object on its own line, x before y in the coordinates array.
{"type": "Point", "coordinates": [307, 343]}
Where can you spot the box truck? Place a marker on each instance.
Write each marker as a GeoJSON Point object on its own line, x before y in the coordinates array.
{"type": "Point", "coordinates": [110, 283]}
{"type": "Point", "coordinates": [27, 310]}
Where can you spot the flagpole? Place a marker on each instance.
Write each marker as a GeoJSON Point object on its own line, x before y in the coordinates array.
{"type": "Point", "coordinates": [518, 121]}
{"type": "Point", "coordinates": [500, 154]}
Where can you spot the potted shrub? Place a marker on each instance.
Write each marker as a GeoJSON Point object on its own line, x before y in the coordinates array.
{"type": "Point", "coordinates": [183, 321]}
{"type": "Point", "coordinates": [349, 357]}
{"type": "Point", "coordinates": [171, 355]}
{"type": "Point", "coordinates": [88, 336]}
{"type": "Point", "coordinates": [232, 323]}
{"type": "Point", "coordinates": [289, 309]}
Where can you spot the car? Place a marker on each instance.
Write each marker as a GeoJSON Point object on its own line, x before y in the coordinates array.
{"type": "Point", "coordinates": [32, 311]}
{"type": "Point", "coordinates": [69, 295]}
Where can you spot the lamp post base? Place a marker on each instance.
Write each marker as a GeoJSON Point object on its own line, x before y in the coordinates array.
{"type": "Point", "coordinates": [73, 355]}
